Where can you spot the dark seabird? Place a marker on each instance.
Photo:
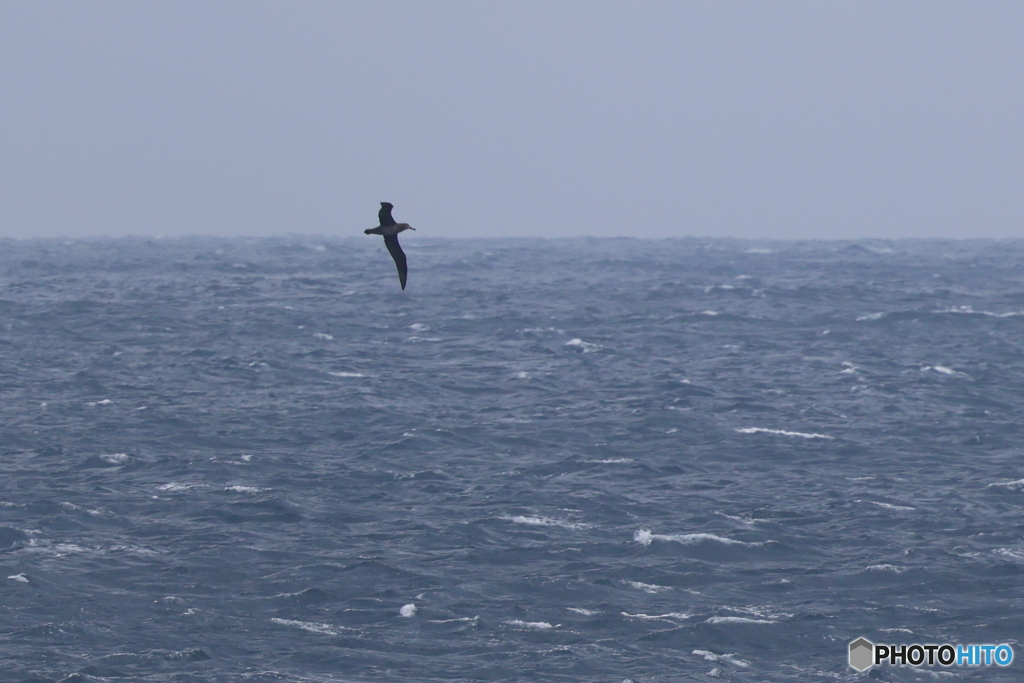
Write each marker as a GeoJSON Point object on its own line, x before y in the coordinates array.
{"type": "Point", "coordinates": [390, 229]}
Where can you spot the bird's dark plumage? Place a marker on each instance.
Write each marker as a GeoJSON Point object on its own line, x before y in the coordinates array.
{"type": "Point", "coordinates": [390, 229]}
{"type": "Point", "coordinates": [391, 242]}
{"type": "Point", "coordinates": [384, 215]}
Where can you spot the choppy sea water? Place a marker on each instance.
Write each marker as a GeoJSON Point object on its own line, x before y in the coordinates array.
{"type": "Point", "coordinates": [578, 460]}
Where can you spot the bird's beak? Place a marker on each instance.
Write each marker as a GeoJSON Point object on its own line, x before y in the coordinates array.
{"type": "Point", "coordinates": [411, 228]}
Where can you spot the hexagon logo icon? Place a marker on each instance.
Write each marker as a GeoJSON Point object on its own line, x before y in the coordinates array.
{"type": "Point", "coordinates": [862, 654]}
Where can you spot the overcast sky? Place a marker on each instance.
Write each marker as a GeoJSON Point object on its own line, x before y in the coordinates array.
{"type": "Point", "coordinates": [744, 119]}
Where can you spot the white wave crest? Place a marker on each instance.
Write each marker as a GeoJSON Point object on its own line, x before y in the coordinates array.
{"type": "Point", "coordinates": [646, 587]}
{"type": "Point", "coordinates": [453, 621]}
{"type": "Point", "coordinates": [585, 612]}
{"type": "Point", "coordinates": [176, 487]}
{"type": "Point", "coordinates": [645, 537]}
{"type": "Point", "coordinates": [738, 620]}
{"type": "Point", "coordinates": [943, 370]}
{"type": "Point", "coordinates": [1011, 485]}
{"type": "Point", "coordinates": [586, 347]}
{"type": "Point", "coordinates": [312, 627]}
{"type": "Point", "coordinates": [967, 310]}
{"type": "Point", "coordinates": [888, 506]}
{"type": "Point", "coordinates": [538, 625]}
{"type": "Point", "coordinates": [712, 657]}
{"type": "Point", "coordinates": [1015, 554]}
{"type": "Point", "coordinates": [661, 617]}
{"type": "Point", "coordinates": [783, 432]}
{"type": "Point", "coordinates": [533, 520]}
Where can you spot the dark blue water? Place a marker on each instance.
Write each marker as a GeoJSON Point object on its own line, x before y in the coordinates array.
{"type": "Point", "coordinates": [586, 460]}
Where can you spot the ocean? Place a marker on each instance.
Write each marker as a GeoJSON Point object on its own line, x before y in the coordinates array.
{"type": "Point", "coordinates": [546, 460]}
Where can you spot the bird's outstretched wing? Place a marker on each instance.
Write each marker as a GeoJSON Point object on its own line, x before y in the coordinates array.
{"type": "Point", "coordinates": [391, 241]}
{"type": "Point", "coordinates": [384, 215]}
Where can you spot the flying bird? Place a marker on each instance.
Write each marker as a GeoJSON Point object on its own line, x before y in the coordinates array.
{"type": "Point", "coordinates": [390, 229]}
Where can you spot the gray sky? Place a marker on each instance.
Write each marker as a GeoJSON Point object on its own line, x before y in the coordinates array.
{"type": "Point", "coordinates": [744, 119]}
